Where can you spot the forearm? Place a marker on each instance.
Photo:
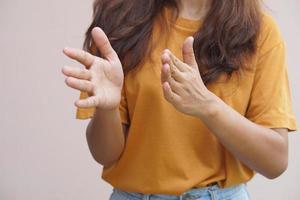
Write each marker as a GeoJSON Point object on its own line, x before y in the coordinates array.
{"type": "Point", "coordinates": [105, 136]}
{"type": "Point", "coordinates": [260, 148]}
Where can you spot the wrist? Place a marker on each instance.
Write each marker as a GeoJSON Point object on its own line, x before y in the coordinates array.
{"type": "Point", "coordinates": [210, 107]}
{"type": "Point", "coordinates": [107, 104]}
{"type": "Point", "coordinates": [100, 110]}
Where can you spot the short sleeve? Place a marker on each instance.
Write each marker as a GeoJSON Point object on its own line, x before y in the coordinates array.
{"type": "Point", "coordinates": [85, 113]}
{"type": "Point", "coordinates": [124, 107]}
{"type": "Point", "coordinates": [270, 103]}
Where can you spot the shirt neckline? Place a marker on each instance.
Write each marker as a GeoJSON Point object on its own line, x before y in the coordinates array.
{"type": "Point", "coordinates": [181, 22]}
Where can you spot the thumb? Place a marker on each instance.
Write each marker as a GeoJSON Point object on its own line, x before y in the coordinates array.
{"type": "Point", "coordinates": [103, 44]}
{"type": "Point", "coordinates": [188, 52]}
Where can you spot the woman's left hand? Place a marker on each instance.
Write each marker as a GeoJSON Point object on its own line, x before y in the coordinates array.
{"type": "Point", "coordinates": [182, 84]}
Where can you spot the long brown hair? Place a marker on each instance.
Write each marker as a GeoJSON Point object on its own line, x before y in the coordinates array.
{"type": "Point", "coordinates": [223, 43]}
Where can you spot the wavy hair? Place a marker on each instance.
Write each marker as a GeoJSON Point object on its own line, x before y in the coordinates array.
{"type": "Point", "coordinates": [223, 43]}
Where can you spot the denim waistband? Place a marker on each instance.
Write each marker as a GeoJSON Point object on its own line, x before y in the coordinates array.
{"type": "Point", "coordinates": [192, 193]}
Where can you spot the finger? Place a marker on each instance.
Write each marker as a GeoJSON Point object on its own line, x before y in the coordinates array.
{"type": "Point", "coordinates": [76, 72]}
{"type": "Point", "coordinates": [166, 60]}
{"type": "Point", "coordinates": [181, 66]}
{"type": "Point", "coordinates": [169, 94]}
{"type": "Point", "coordinates": [165, 57]}
{"type": "Point", "coordinates": [166, 77]}
{"type": "Point", "coordinates": [174, 62]}
{"type": "Point", "coordinates": [165, 73]}
{"type": "Point", "coordinates": [176, 75]}
{"type": "Point", "coordinates": [171, 76]}
{"type": "Point", "coordinates": [82, 85]}
{"type": "Point", "coordinates": [79, 55]}
{"type": "Point", "coordinates": [89, 102]}
{"type": "Point", "coordinates": [103, 44]}
{"type": "Point", "coordinates": [188, 52]}
{"type": "Point", "coordinates": [176, 87]}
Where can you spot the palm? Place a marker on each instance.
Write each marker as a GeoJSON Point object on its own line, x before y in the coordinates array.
{"type": "Point", "coordinates": [107, 79]}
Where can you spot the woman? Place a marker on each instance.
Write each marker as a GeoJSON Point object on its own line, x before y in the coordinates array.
{"type": "Point", "coordinates": [187, 99]}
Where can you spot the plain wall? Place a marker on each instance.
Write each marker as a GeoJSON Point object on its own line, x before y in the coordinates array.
{"type": "Point", "coordinates": [43, 150]}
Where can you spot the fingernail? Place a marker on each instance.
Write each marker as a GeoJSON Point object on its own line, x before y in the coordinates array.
{"type": "Point", "coordinates": [65, 49]}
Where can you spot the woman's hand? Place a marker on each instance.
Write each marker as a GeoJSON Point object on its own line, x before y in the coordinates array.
{"type": "Point", "coordinates": [182, 84]}
{"type": "Point", "coordinates": [102, 78]}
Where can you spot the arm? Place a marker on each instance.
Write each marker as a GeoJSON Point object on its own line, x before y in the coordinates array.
{"type": "Point", "coordinates": [262, 149]}
{"type": "Point", "coordinates": [106, 136]}
{"type": "Point", "coordinates": [102, 80]}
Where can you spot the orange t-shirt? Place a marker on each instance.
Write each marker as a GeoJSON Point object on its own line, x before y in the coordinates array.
{"type": "Point", "coordinates": [168, 152]}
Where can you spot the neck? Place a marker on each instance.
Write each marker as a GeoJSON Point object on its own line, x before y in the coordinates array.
{"type": "Point", "coordinates": [192, 9]}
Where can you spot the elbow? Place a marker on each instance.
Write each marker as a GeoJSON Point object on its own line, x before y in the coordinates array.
{"type": "Point", "coordinates": [106, 163]}
{"type": "Point", "coordinates": [109, 164]}
{"type": "Point", "coordinates": [107, 160]}
{"type": "Point", "coordinates": [277, 170]}
{"type": "Point", "coordinates": [279, 164]}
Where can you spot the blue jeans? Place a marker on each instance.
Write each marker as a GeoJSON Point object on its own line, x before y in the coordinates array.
{"type": "Point", "coordinates": [238, 192]}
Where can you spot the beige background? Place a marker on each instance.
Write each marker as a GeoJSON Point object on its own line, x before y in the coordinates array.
{"type": "Point", "coordinates": [43, 151]}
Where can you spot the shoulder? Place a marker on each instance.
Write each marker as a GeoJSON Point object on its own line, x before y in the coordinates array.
{"type": "Point", "coordinates": [270, 35]}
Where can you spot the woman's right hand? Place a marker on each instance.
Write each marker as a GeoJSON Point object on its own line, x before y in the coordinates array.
{"type": "Point", "coordinates": [102, 78]}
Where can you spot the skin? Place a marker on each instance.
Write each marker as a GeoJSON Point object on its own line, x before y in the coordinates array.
{"type": "Point", "coordinates": [102, 78]}
{"type": "Point", "coordinates": [183, 87]}
{"type": "Point", "coordinates": [192, 9]}
{"type": "Point", "coordinates": [251, 143]}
